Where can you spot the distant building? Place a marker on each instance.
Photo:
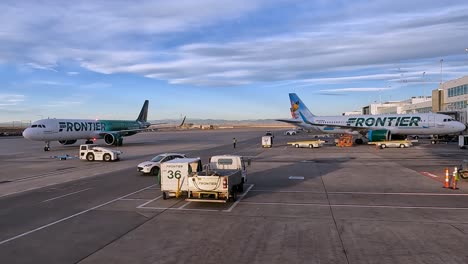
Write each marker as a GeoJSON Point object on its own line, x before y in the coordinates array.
{"type": "Point", "coordinates": [450, 98]}
{"type": "Point", "coordinates": [357, 112]}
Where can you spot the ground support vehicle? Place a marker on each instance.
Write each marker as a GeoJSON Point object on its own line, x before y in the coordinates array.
{"type": "Point", "coordinates": [307, 143]}
{"type": "Point", "coordinates": [267, 141]}
{"type": "Point", "coordinates": [174, 176]}
{"type": "Point", "coordinates": [220, 181]}
{"type": "Point", "coordinates": [345, 141]}
{"type": "Point", "coordinates": [392, 144]}
{"type": "Point", "coordinates": [92, 152]}
{"type": "Point", "coordinates": [463, 169]}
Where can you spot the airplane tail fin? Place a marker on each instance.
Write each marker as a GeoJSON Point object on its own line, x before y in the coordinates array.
{"type": "Point", "coordinates": [298, 107]}
{"type": "Point", "coordinates": [143, 116]}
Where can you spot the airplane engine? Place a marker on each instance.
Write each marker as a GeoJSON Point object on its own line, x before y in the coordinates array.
{"type": "Point", "coordinates": [67, 142]}
{"type": "Point", "coordinates": [378, 135]}
{"type": "Point", "coordinates": [113, 139]}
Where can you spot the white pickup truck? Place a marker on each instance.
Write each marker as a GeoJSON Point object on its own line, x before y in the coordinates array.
{"type": "Point", "coordinates": [92, 152]}
{"type": "Point", "coordinates": [220, 181]}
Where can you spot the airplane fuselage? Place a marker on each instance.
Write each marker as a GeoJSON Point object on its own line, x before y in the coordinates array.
{"type": "Point", "coordinates": [397, 124]}
{"type": "Point", "coordinates": [72, 129]}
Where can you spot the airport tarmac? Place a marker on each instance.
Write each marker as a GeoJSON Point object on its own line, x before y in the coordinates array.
{"type": "Point", "coordinates": [327, 205]}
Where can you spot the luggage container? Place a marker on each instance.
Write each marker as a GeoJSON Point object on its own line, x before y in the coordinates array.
{"type": "Point", "coordinates": [463, 141]}
{"type": "Point", "coordinates": [174, 176]}
{"type": "Point", "coordinates": [267, 141]}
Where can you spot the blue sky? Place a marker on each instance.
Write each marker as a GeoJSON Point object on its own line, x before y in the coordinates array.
{"type": "Point", "coordinates": [222, 59]}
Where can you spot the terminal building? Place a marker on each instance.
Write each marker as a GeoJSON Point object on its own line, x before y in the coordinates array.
{"type": "Point", "coordinates": [449, 98]}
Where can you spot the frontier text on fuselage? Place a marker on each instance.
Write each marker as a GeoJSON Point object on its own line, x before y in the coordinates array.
{"type": "Point", "coordinates": [405, 121]}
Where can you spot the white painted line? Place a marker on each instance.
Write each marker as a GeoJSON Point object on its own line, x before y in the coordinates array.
{"type": "Point", "coordinates": [71, 216]}
{"type": "Point", "coordinates": [182, 209]}
{"type": "Point", "coordinates": [366, 193]}
{"type": "Point", "coordinates": [239, 199]}
{"type": "Point", "coordinates": [296, 177]}
{"type": "Point", "coordinates": [65, 195]}
{"type": "Point", "coordinates": [360, 206]}
{"type": "Point", "coordinates": [430, 174]}
{"type": "Point", "coordinates": [183, 206]}
{"type": "Point", "coordinates": [134, 199]}
{"type": "Point", "coordinates": [292, 191]}
{"type": "Point", "coordinates": [150, 201]}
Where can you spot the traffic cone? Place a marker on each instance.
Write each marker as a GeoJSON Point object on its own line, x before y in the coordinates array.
{"type": "Point", "coordinates": [446, 183]}
{"type": "Point", "coordinates": [454, 179]}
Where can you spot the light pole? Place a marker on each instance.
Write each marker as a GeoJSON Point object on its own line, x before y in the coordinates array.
{"type": "Point", "coordinates": [441, 61]}
{"type": "Point", "coordinates": [423, 83]}
{"type": "Point", "coordinates": [466, 50]}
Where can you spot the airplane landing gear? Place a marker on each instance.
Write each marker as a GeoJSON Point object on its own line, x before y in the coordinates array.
{"type": "Point", "coordinates": [89, 142]}
{"type": "Point", "coordinates": [47, 146]}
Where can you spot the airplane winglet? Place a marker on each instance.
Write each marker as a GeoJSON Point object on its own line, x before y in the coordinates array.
{"type": "Point", "coordinates": [183, 121]}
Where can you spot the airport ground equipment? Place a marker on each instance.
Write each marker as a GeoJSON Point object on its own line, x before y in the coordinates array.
{"type": "Point", "coordinates": [64, 157]}
{"type": "Point", "coordinates": [447, 179]}
{"type": "Point", "coordinates": [392, 144]}
{"type": "Point", "coordinates": [463, 141]}
{"type": "Point", "coordinates": [463, 169]}
{"type": "Point", "coordinates": [267, 141]}
{"type": "Point", "coordinates": [174, 176]}
{"type": "Point", "coordinates": [92, 152]}
{"type": "Point", "coordinates": [345, 140]}
{"type": "Point", "coordinates": [153, 166]}
{"type": "Point", "coordinates": [307, 143]}
{"type": "Point", "coordinates": [220, 181]}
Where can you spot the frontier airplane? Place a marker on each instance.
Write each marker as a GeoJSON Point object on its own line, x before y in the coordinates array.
{"type": "Point", "coordinates": [68, 131]}
{"type": "Point", "coordinates": [372, 127]}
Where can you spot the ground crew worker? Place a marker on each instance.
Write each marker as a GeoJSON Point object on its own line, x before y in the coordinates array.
{"type": "Point", "coordinates": [234, 141]}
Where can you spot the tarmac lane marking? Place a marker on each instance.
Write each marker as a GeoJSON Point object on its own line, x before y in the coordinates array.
{"type": "Point", "coordinates": [71, 216]}
{"type": "Point", "coordinates": [182, 208]}
{"type": "Point", "coordinates": [150, 201]}
{"type": "Point", "coordinates": [366, 193]}
{"type": "Point", "coordinates": [65, 195]}
{"type": "Point", "coordinates": [359, 206]}
{"type": "Point", "coordinates": [178, 208]}
{"type": "Point", "coordinates": [431, 176]}
{"type": "Point", "coordinates": [239, 199]}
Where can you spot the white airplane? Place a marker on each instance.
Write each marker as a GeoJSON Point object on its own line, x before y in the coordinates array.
{"type": "Point", "coordinates": [68, 131]}
{"type": "Point", "coordinates": [372, 127]}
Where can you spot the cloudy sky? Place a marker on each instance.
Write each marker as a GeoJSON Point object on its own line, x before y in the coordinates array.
{"type": "Point", "coordinates": [222, 59]}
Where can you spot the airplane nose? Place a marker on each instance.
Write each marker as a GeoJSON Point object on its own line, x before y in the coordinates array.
{"type": "Point", "coordinates": [462, 126]}
{"type": "Point", "coordinates": [27, 133]}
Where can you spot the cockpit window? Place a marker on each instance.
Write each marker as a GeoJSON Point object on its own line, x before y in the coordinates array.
{"type": "Point", "coordinates": [34, 126]}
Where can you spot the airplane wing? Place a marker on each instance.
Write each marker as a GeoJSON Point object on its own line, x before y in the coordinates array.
{"type": "Point", "coordinates": [290, 121]}
{"type": "Point", "coordinates": [156, 124]}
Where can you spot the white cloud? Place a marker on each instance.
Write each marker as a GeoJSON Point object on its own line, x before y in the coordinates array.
{"type": "Point", "coordinates": [50, 83]}
{"type": "Point", "coordinates": [41, 67]}
{"type": "Point", "coordinates": [72, 73]}
{"type": "Point", "coordinates": [96, 85]}
{"type": "Point", "coordinates": [7, 100]}
{"type": "Point", "coordinates": [114, 37]}
{"type": "Point", "coordinates": [360, 89]}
